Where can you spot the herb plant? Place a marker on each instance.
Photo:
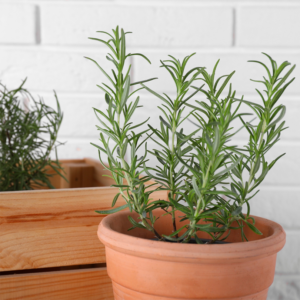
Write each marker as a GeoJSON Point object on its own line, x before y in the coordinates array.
{"type": "Point", "coordinates": [28, 134]}
{"type": "Point", "coordinates": [213, 178]}
{"type": "Point", "coordinates": [118, 135]}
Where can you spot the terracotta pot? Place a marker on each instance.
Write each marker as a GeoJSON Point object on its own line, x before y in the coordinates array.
{"type": "Point", "coordinates": [144, 269]}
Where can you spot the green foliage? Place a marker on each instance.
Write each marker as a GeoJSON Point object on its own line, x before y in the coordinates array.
{"type": "Point", "coordinates": [28, 134]}
{"type": "Point", "coordinates": [169, 137]}
{"type": "Point", "coordinates": [118, 135]}
{"type": "Point", "coordinates": [213, 178]}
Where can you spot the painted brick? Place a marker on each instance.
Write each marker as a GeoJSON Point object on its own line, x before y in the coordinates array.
{"type": "Point", "coordinates": [229, 61]}
{"type": "Point", "coordinates": [291, 118]}
{"type": "Point", "coordinates": [17, 23]}
{"type": "Point", "coordinates": [285, 287]}
{"type": "Point", "coordinates": [68, 71]}
{"type": "Point", "coordinates": [46, 70]}
{"type": "Point", "coordinates": [79, 118]}
{"type": "Point", "coordinates": [274, 26]}
{"type": "Point", "coordinates": [76, 148]}
{"type": "Point", "coordinates": [280, 204]}
{"type": "Point", "coordinates": [80, 148]}
{"type": "Point", "coordinates": [288, 259]}
{"type": "Point", "coordinates": [160, 25]}
{"type": "Point", "coordinates": [286, 169]}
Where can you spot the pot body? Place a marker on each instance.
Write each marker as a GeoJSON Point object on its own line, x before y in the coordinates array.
{"type": "Point", "coordinates": [144, 269]}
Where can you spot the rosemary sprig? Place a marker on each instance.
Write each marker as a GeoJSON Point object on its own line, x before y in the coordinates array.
{"type": "Point", "coordinates": [117, 129]}
{"type": "Point", "coordinates": [28, 134]}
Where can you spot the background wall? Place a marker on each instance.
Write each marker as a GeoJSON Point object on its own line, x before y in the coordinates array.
{"type": "Point", "coordinates": [46, 41]}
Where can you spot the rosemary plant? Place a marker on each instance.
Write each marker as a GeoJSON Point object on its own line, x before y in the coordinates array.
{"type": "Point", "coordinates": [262, 138]}
{"type": "Point", "coordinates": [119, 136]}
{"type": "Point", "coordinates": [208, 180]}
{"type": "Point", "coordinates": [28, 134]}
{"type": "Point", "coordinates": [169, 137]}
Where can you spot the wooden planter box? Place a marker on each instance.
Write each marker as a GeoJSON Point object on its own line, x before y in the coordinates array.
{"type": "Point", "coordinates": [48, 243]}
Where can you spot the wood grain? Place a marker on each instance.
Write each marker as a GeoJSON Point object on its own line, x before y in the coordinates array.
{"type": "Point", "coordinates": [88, 284]}
{"type": "Point", "coordinates": [99, 171]}
{"type": "Point", "coordinates": [78, 175]}
{"type": "Point", "coordinates": [55, 228]}
{"type": "Point", "coordinates": [50, 228]}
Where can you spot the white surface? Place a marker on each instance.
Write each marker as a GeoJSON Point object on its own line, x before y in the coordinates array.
{"type": "Point", "coordinates": [17, 23]}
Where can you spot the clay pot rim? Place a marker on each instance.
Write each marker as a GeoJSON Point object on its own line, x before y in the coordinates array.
{"type": "Point", "coordinates": [170, 251]}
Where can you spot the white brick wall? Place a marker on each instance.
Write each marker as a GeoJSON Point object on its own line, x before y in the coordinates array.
{"type": "Point", "coordinates": [71, 25]}
{"type": "Point", "coordinates": [18, 23]}
{"type": "Point", "coordinates": [46, 40]}
{"type": "Point", "coordinates": [276, 26]}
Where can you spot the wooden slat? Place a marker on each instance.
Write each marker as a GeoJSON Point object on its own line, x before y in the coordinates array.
{"type": "Point", "coordinates": [99, 171]}
{"type": "Point", "coordinates": [40, 229]}
{"type": "Point", "coordinates": [51, 228]}
{"type": "Point", "coordinates": [88, 284]}
{"type": "Point", "coordinates": [78, 175]}
{"type": "Point", "coordinates": [57, 181]}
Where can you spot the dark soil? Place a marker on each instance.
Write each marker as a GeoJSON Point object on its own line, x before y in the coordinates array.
{"type": "Point", "coordinates": [193, 241]}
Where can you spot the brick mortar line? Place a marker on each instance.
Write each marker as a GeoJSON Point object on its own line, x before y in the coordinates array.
{"type": "Point", "coordinates": [170, 94]}
{"type": "Point", "coordinates": [290, 232]}
{"type": "Point", "coordinates": [161, 3]}
{"type": "Point", "coordinates": [234, 27]}
{"type": "Point", "coordinates": [37, 25]}
{"type": "Point", "coordinates": [282, 142]}
{"type": "Point", "coordinates": [289, 275]}
{"type": "Point", "coordinates": [84, 138]}
{"type": "Point", "coordinates": [163, 50]}
{"type": "Point", "coordinates": [267, 188]}
{"type": "Point", "coordinates": [251, 96]}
